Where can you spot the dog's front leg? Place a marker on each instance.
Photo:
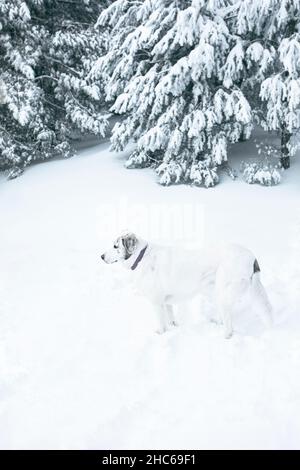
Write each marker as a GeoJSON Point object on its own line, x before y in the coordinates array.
{"type": "Point", "coordinates": [162, 318]}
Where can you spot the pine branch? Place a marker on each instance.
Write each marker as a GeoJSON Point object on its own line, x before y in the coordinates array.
{"type": "Point", "coordinates": [54, 104]}
{"type": "Point", "coordinates": [46, 76]}
{"type": "Point", "coordinates": [14, 139]}
{"type": "Point", "coordinates": [62, 64]}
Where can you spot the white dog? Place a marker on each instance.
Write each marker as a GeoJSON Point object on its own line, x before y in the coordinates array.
{"type": "Point", "coordinates": [168, 276]}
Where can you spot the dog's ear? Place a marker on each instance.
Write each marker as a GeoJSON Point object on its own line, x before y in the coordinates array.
{"type": "Point", "coordinates": [129, 241]}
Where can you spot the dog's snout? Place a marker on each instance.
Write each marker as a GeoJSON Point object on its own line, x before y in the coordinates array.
{"type": "Point", "coordinates": [102, 257]}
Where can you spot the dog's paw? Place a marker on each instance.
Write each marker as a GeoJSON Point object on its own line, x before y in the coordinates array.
{"type": "Point", "coordinates": [161, 331]}
{"type": "Point", "coordinates": [228, 334]}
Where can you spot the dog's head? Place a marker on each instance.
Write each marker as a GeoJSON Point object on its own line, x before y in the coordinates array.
{"type": "Point", "coordinates": [122, 249]}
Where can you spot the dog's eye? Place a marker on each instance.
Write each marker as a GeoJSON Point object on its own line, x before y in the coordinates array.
{"type": "Point", "coordinates": [116, 246]}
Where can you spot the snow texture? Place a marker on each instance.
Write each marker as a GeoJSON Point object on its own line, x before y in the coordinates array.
{"type": "Point", "coordinates": [81, 366]}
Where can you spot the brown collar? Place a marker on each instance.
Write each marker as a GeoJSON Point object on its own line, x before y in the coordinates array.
{"type": "Point", "coordinates": [139, 258]}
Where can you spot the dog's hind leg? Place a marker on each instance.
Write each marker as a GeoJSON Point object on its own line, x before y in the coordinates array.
{"type": "Point", "coordinates": [260, 301]}
{"type": "Point", "coordinates": [225, 316]}
{"type": "Point", "coordinates": [229, 295]}
{"type": "Point", "coordinates": [170, 313]}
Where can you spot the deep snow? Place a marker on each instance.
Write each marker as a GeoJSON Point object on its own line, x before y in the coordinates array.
{"type": "Point", "coordinates": [80, 364]}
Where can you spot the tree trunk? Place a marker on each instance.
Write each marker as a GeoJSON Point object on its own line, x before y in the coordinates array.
{"type": "Point", "coordinates": [285, 154]}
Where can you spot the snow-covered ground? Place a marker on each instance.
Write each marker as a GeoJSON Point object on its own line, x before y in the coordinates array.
{"type": "Point", "coordinates": [80, 364]}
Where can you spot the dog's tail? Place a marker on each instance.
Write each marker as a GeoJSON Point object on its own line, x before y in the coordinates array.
{"type": "Point", "coordinates": [256, 268]}
{"type": "Point", "coordinates": [260, 298]}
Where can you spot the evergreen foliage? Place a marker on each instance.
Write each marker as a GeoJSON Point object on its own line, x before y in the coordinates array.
{"type": "Point", "coordinates": [193, 76]}
{"type": "Point", "coordinates": [264, 173]}
{"type": "Point", "coordinates": [169, 70]}
{"type": "Point", "coordinates": [185, 78]}
{"type": "Point", "coordinates": [46, 51]}
{"type": "Point", "coordinates": [268, 65]}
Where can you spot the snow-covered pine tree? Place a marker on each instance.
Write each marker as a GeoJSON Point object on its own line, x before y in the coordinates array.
{"type": "Point", "coordinates": [169, 70]}
{"type": "Point", "coordinates": [46, 50]}
{"type": "Point", "coordinates": [73, 49]}
{"type": "Point", "coordinates": [22, 112]}
{"type": "Point", "coordinates": [268, 63]}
